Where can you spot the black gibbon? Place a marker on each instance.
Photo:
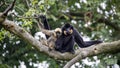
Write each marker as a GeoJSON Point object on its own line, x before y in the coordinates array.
{"type": "Point", "coordinates": [65, 43]}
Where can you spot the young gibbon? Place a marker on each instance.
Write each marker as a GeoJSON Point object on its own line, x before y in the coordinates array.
{"type": "Point", "coordinates": [54, 34]}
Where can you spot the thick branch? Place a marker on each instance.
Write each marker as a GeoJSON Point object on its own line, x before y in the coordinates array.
{"type": "Point", "coordinates": [15, 29]}
{"type": "Point", "coordinates": [113, 47]}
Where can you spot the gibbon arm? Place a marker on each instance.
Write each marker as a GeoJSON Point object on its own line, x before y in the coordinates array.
{"type": "Point", "coordinates": [47, 32]}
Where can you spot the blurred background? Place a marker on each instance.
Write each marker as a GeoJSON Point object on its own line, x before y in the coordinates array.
{"type": "Point", "coordinates": [94, 19]}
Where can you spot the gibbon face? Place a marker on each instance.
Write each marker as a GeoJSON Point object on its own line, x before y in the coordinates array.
{"type": "Point", "coordinates": [68, 32]}
{"type": "Point", "coordinates": [58, 32]}
{"type": "Point", "coordinates": [67, 29]}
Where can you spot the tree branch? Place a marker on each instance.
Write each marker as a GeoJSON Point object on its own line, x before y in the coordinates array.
{"type": "Point", "coordinates": [107, 22]}
{"type": "Point", "coordinates": [113, 47]}
{"type": "Point", "coordinates": [4, 14]}
{"type": "Point", "coordinates": [101, 20]}
{"type": "Point", "coordinates": [1, 3]}
{"type": "Point", "coordinates": [27, 3]}
{"type": "Point", "coordinates": [15, 29]}
{"type": "Point", "coordinates": [10, 7]}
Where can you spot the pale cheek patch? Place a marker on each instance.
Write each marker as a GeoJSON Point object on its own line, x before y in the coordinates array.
{"type": "Point", "coordinates": [71, 31]}
{"type": "Point", "coordinates": [65, 32]}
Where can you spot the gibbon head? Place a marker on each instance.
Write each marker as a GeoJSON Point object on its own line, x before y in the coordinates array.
{"type": "Point", "coordinates": [58, 32]}
{"type": "Point", "coordinates": [67, 29]}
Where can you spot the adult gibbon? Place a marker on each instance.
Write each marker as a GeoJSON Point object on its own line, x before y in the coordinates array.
{"type": "Point", "coordinates": [65, 43]}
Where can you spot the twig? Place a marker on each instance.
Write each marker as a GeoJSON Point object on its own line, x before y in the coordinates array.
{"type": "Point", "coordinates": [10, 7]}
{"type": "Point", "coordinates": [1, 4]}
{"type": "Point", "coordinates": [39, 23]}
{"type": "Point", "coordinates": [22, 16]}
{"type": "Point", "coordinates": [4, 14]}
{"type": "Point", "coordinates": [27, 3]}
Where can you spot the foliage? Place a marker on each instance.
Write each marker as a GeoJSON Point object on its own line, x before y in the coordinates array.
{"type": "Point", "coordinates": [105, 25]}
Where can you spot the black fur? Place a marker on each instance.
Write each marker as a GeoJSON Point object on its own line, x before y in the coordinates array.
{"type": "Point", "coordinates": [45, 23]}
{"type": "Point", "coordinates": [66, 42]}
{"type": "Point", "coordinates": [81, 43]}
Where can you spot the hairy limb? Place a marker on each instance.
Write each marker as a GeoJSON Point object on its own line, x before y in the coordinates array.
{"type": "Point", "coordinates": [80, 41]}
{"type": "Point", "coordinates": [45, 24]}
{"type": "Point", "coordinates": [47, 32]}
{"type": "Point", "coordinates": [89, 43]}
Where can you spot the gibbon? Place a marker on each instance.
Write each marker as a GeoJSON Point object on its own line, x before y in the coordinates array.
{"type": "Point", "coordinates": [53, 35]}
